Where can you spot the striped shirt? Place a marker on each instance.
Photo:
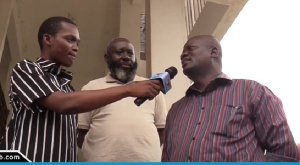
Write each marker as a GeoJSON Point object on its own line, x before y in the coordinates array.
{"type": "Point", "coordinates": [39, 133]}
{"type": "Point", "coordinates": [231, 120]}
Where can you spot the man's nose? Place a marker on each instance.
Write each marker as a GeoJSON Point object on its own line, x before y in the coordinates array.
{"type": "Point", "coordinates": [75, 47]}
{"type": "Point", "coordinates": [184, 54]}
{"type": "Point", "coordinates": [125, 56]}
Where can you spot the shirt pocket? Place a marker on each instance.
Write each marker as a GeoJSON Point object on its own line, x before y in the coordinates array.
{"type": "Point", "coordinates": [230, 118]}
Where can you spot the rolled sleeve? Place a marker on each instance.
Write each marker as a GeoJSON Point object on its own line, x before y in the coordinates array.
{"type": "Point", "coordinates": [84, 120]}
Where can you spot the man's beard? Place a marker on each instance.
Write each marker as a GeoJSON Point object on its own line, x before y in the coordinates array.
{"type": "Point", "coordinates": [122, 74]}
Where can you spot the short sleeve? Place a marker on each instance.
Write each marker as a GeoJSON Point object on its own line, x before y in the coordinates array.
{"type": "Point", "coordinates": [84, 119]}
{"type": "Point", "coordinates": [160, 111]}
{"type": "Point", "coordinates": [29, 82]}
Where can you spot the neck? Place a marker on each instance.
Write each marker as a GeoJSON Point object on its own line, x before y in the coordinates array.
{"type": "Point", "coordinates": [46, 56]}
{"type": "Point", "coordinates": [201, 82]}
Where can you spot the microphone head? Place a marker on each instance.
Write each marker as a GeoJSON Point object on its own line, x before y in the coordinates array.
{"type": "Point", "coordinates": [172, 71]}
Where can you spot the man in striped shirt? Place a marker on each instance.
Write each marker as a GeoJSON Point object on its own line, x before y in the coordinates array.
{"type": "Point", "coordinates": [222, 119]}
{"type": "Point", "coordinates": [44, 104]}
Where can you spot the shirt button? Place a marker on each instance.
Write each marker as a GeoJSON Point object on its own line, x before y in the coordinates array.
{"type": "Point", "coordinates": [202, 107]}
{"type": "Point", "coordinates": [193, 138]}
{"type": "Point", "coordinates": [198, 122]}
{"type": "Point", "coordinates": [189, 158]}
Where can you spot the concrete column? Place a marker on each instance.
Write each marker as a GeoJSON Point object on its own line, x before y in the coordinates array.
{"type": "Point", "coordinates": [209, 20]}
{"type": "Point", "coordinates": [5, 12]}
{"type": "Point", "coordinates": [165, 36]}
{"type": "Point", "coordinates": [11, 53]}
{"type": "Point", "coordinates": [216, 17]}
{"type": "Point", "coordinates": [130, 15]}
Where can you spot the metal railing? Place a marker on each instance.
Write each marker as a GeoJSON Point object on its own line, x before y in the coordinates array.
{"type": "Point", "coordinates": [193, 9]}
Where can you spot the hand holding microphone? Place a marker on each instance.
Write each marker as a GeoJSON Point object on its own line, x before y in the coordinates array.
{"type": "Point", "coordinates": [147, 88]}
{"type": "Point", "coordinates": [165, 80]}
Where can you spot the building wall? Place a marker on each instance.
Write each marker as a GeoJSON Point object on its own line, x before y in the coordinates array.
{"type": "Point", "coordinates": [131, 11]}
{"type": "Point", "coordinates": [96, 22]}
{"type": "Point", "coordinates": [165, 36]}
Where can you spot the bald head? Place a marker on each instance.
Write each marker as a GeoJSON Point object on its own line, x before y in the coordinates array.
{"type": "Point", "coordinates": [114, 41]}
{"type": "Point", "coordinates": [201, 57]}
{"type": "Point", "coordinates": [210, 42]}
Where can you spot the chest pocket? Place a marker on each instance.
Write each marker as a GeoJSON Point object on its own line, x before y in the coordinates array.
{"type": "Point", "coordinates": [231, 119]}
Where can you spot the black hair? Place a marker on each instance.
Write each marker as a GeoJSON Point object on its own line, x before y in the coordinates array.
{"type": "Point", "coordinates": [51, 26]}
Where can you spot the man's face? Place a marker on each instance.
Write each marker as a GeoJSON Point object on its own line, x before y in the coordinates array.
{"type": "Point", "coordinates": [64, 45]}
{"type": "Point", "coordinates": [121, 60]}
{"type": "Point", "coordinates": [195, 57]}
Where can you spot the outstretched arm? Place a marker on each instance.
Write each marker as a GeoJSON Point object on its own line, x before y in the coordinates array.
{"type": "Point", "coordinates": [84, 101]}
{"type": "Point", "coordinates": [30, 84]}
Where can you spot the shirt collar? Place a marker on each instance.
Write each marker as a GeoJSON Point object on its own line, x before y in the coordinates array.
{"type": "Point", "coordinates": [110, 79]}
{"type": "Point", "coordinates": [53, 68]}
{"type": "Point", "coordinates": [221, 80]}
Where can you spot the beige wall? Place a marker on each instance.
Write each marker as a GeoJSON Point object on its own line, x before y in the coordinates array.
{"type": "Point", "coordinates": [97, 24]}
{"type": "Point", "coordinates": [5, 17]}
{"type": "Point", "coordinates": [217, 17]}
{"type": "Point", "coordinates": [4, 65]}
{"type": "Point", "coordinates": [209, 19]}
{"type": "Point", "coordinates": [234, 7]}
{"type": "Point", "coordinates": [5, 13]}
{"type": "Point", "coordinates": [166, 35]}
{"type": "Point", "coordinates": [5, 69]}
{"type": "Point", "coordinates": [130, 27]}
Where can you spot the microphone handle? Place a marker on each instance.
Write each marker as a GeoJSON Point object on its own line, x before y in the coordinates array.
{"type": "Point", "coordinates": [140, 100]}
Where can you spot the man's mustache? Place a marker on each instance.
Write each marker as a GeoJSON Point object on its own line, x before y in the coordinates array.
{"type": "Point", "coordinates": [125, 63]}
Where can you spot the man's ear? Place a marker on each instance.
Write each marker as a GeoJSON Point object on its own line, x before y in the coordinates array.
{"type": "Point", "coordinates": [106, 58]}
{"type": "Point", "coordinates": [214, 52]}
{"type": "Point", "coordinates": [47, 39]}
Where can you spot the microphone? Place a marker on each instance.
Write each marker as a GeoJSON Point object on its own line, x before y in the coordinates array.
{"type": "Point", "coordinates": [165, 79]}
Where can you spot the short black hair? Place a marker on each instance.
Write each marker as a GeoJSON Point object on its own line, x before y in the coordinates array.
{"type": "Point", "coordinates": [51, 26]}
